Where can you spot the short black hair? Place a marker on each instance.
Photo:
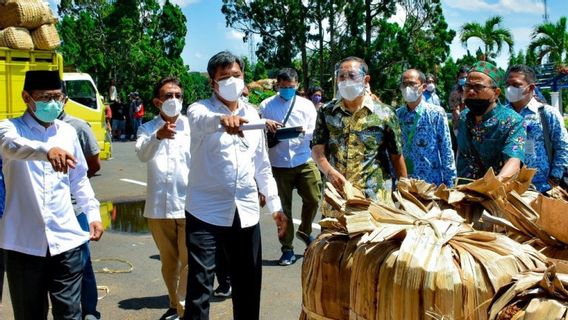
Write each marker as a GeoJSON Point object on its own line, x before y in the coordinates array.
{"type": "Point", "coordinates": [528, 72]}
{"type": "Point", "coordinates": [430, 75]}
{"type": "Point", "coordinates": [287, 74]}
{"type": "Point", "coordinates": [364, 65]}
{"type": "Point", "coordinates": [314, 89]}
{"type": "Point", "coordinates": [223, 59]}
{"type": "Point", "coordinates": [421, 75]}
{"type": "Point", "coordinates": [463, 69]}
{"type": "Point", "coordinates": [163, 82]}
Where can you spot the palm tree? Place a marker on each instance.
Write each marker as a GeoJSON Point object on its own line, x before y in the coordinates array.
{"type": "Point", "coordinates": [550, 40]}
{"type": "Point", "coordinates": [491, 34]}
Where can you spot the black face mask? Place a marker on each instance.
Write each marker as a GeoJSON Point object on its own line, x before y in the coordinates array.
{"type": "Point", "coordinates": [477, 106]}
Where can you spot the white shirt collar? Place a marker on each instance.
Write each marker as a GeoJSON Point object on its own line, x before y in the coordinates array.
{"type": "Point", "coordinates": [221, 106]}
{"type": "Point", "coordinates": [33, 124]}
{"type": "Point", "coordinates": [533, 105]}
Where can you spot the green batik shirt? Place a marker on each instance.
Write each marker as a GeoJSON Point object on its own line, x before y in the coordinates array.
{"type": "Point", "coordinates": [356, 142]}
{"type": "Point", "coordinates": [489, 144]}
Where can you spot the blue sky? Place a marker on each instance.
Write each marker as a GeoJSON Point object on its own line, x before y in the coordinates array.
{"type": "Point", "coordinates": [207, 33]}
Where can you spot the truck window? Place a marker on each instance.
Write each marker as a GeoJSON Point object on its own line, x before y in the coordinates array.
{"type": "Point", "coordinates": [82, 91]}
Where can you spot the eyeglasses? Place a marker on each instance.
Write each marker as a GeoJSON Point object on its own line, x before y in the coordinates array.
{"type": "Point", "coordinates": [48, 97]}
{"type": "Point", "coordinates": [355, 75]}
{"type": "Point", "coordinates": [408, 84]}
{"type": "Point", "coordinates": [477, 87]}
{"type": "Point", "coordinates": [170, 95]}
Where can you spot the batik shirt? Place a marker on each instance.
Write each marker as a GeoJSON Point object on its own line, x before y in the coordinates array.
{"type": "Point", "coordinates": [536, 155]}
{"type": "Point", "coordinates": [499, 136]}
{"type": "Point", "coordinates": [427, 145]}
{"type": "Point", "coordinates": [356, 142]}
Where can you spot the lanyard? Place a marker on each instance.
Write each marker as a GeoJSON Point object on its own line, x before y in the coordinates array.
{"type": "Point", "coordinates": [412, 131]}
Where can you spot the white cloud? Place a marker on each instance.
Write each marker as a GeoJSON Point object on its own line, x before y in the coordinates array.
{"type": "Point", "coordinates": [234, 35]}
{"type": "Point", "coordinates": [521, 36]}
{"type": "Point", "coordinates": [502, 6]}
{"type": "Point", "coordinates": [198, 55]}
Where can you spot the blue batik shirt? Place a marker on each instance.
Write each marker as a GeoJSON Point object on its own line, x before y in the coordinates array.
{"type": "Point", "coordinates": [431, 97]}
{"type": "Point", "coordinates": [489, 144]}
{"type": "Point", "coordinates": [427, 146]}
{"type": "Point", "coordinates": [536, 155]}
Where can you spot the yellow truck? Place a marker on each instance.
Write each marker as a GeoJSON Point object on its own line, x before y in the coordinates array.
{"type": "Point", "coordinates": [84, 102]}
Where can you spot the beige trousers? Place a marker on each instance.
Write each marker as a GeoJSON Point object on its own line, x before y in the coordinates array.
{"type": "Point", "coordinates": [169, 235]}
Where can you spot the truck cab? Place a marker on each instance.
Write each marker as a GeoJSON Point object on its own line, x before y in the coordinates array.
{"type": "Point", "coordinates": [86, 103]}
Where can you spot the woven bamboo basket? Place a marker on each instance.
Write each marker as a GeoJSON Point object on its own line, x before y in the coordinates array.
{"type": "Point", "coordinates": [46, 37]}
{"type": "Point", "coordinates": [16, 38]}
{"type": "Point", "coordinates": [28, 14]}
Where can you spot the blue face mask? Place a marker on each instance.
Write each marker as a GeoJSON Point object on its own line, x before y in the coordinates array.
{"type": "Point", "coordinates": [287, 93]}
{"type": "Point", "coordinates": [461, 81]}
{"type": "Point", "coordinates": [48, 111]}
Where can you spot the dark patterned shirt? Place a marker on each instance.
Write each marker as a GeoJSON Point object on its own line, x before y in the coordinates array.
{"type": "Point", "coordinates": [356, 142]}
{"type": "Point", "coordinates": [489, 144]}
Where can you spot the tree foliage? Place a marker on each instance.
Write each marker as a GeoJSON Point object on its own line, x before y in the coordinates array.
{"type": "Point", "coordinates": [491, 34]}
{"type": "Point", "coordinates": [314, 35]}
{"type": "Point", "coordinates": [550, 40]}
{"type": "Point", "coordinates": [134, 42]}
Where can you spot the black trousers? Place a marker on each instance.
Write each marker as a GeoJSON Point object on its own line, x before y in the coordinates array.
{"type": "Point", "coordinates": [242, 247]}
{"type": "Point", "coordinates": [32, 278]}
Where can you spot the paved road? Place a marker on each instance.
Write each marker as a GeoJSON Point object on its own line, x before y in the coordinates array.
{"type": "Point", "coordinates": [141, 294]}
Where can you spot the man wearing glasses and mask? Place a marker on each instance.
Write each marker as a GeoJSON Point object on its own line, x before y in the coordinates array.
{"type": "Point", "coordinates": [43, 166]}
{"type": "Point", "coordinates": [222, 205]}
{"type": "Point", "coordinates": [163, 143]}
{"type": "Point", "coordinates": [426, 134]}
{"type": "Point", "coordinates": [490, 135]}
{"type": "Point", "coordinates": [356, 131]}
{"type": "Point", "coordinates": [291, 161]}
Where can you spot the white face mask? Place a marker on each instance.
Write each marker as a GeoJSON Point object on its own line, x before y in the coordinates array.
{"type": "Point", "coordinates": [409, 94]}
{"type": "Point", "coordinates": [350, 90]}
{"type": "Point", "coordinates": [514, 94]}
{"type": "Point", "coordinates": [431, 87]}
{"type": "Point", "coordinates": [231, 89]}
{"type": "Point", "coordinates": [171, 107]}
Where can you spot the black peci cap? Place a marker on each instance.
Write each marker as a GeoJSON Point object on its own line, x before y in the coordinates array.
{"type": "Point", "coordinates": [42, 80]}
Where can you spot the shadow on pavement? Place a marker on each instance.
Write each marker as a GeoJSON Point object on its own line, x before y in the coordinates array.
{"type": "Point", "coordinates": [155, 257]}
{"type": "Point", "coordinates": [157, 302]}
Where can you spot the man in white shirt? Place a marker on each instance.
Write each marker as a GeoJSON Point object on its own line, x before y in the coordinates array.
{"type": "Point", "coordinates": [292, 165]}
{"type": "Point", "coordinates": [222, 207]}
{"type": "Point", "coordinates": [43, 165]}
{"type": "Point", "coordinates": [163, 143]}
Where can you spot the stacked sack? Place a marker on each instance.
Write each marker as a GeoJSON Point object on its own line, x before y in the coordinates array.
{"type": "Point", "coordinates": [27, 24]}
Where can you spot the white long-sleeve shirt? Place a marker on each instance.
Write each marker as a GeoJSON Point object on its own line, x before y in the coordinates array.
{"type": "Point", "coordinates": [292, 152]}
{"type": "Point", "coordinates": [168, 166]}
{"type": "Point", "coordinates": [225, 169]}
{"type": "Point", "coordinates": [38, 213]}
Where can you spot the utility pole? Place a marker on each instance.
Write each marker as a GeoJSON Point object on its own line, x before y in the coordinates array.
{"type": "Point", "coordinates": [251, 45]}
{"type": "Point", "coordinates": [545, 11]}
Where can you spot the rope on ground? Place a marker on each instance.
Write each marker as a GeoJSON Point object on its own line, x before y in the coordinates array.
{"type": "Point", "coordinates": [105, 289]}
{"type": "Point", "coordinates": [108, 270]}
